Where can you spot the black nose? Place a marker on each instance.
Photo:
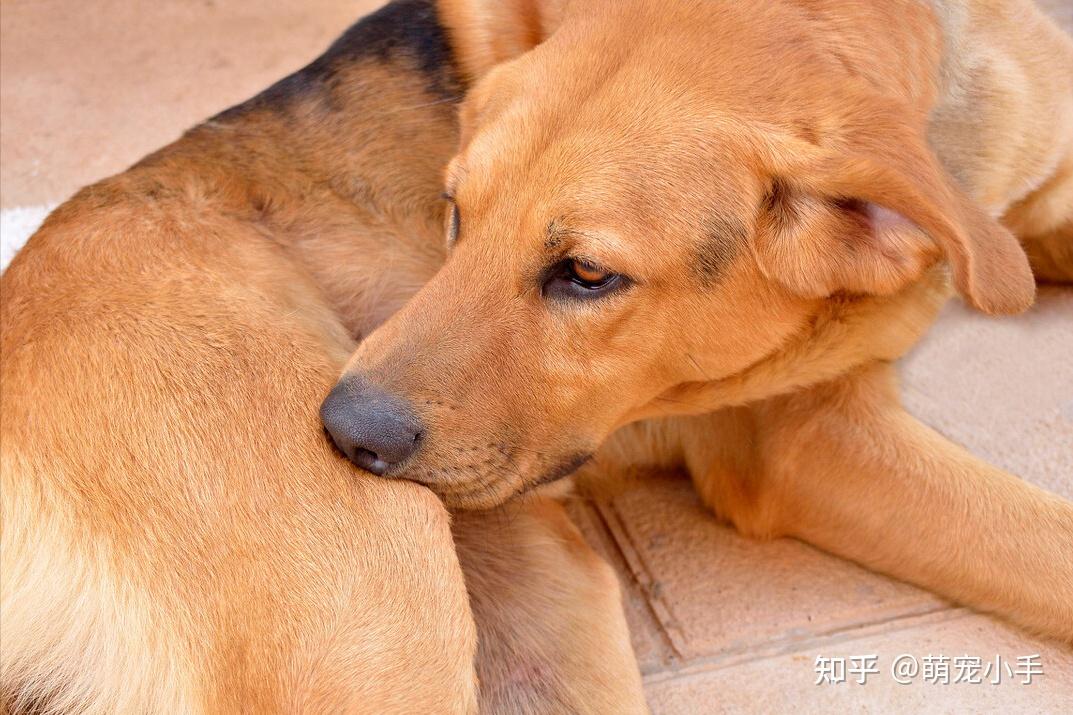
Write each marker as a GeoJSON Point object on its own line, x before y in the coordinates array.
{"type": "Point", "coordinates": [373, 429]}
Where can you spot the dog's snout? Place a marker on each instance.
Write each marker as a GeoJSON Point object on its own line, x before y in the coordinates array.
{"type": "Point", "coordinates": [374, 429]}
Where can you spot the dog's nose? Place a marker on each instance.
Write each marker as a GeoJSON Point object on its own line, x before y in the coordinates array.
{"type": "Point", "coordinates": [373, 429]}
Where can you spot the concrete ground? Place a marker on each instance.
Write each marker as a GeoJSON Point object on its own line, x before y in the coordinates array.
{"type": "Point", "coordinates": [720, 623]}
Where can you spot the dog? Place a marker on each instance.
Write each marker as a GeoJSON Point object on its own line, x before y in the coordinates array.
{"type": "Point", "coordinates": [696, 234]}
{"type": "Point", "coordinates": [179, 534]}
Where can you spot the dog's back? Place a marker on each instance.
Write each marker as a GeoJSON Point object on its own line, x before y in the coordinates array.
{"type": "Point", "coordinates": [1004, 120]}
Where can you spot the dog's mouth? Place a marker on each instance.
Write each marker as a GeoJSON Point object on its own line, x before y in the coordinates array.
{"type": "Point", "coordinates": [492, 481]}
{"type": "Point", "coordinates": [564, 468]}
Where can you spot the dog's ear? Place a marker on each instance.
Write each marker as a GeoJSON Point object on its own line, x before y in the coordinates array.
{"type": "Point", "coordinates": [869, 214]}
{"type": "Point", "coordinates": [484, 33]}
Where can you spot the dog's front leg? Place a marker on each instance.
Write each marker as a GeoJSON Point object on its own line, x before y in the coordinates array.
{"type": "Point", "coordinates": [552, 635]}
{"type": "Point", "coordinates": [847, 469]}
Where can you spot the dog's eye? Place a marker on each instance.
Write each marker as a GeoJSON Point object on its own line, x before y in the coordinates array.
{"type": "Point", "coordinates": [574, 278]}
{"type": "Point", "coordinates": [454, 219]}
{"type": "Point", "coordinates": [587, 275]}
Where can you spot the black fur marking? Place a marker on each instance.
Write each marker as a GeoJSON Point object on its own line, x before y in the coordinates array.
{"type": "Point", "coordinates": [404, 32]}
{"type": "Point", "coordinates": [723, 239]}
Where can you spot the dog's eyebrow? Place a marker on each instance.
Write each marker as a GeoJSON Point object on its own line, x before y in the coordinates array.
{"type": "Point", "coordinates": [558, 231]}
{"type": "Point", "coordinates": [555, 233]}
{"type": "Point", "coordinates": [721, 240]}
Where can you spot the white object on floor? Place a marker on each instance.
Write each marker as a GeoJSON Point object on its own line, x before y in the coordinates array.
{"type": "Point", "coordinates": [16, 225]}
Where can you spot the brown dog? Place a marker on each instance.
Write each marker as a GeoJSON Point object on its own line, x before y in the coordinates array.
{"type": "Point", "coordinates": [740, 212]}
{"type": "Point", "coordinates": [178, 533]}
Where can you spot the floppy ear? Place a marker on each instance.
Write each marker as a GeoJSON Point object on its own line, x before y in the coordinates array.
{"type": "Point", "coordinates": [871, 214]}
{"type": "Point", "coordinates": [484, 33]}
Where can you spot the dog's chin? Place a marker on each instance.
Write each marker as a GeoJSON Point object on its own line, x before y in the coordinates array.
{"type": "Point", "coordinates": [477, 495]}
{"type": "Point", "coordinates": [482, 493]}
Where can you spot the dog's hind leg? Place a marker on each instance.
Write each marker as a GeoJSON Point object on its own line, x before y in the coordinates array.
{"type": "Point", "coordinates": [844, 467]}
{"type": "Point", "coordinates": [551, 632]}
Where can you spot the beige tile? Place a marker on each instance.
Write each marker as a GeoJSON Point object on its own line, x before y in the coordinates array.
{"type": "Point", "coordinates": [1003, 388]}
{"type": "Point", "coordinates": [786, 682]}
{"type": "Point", "coordinates": [716, 592]}
{"type": "Point", "coordinates": [87, 88]}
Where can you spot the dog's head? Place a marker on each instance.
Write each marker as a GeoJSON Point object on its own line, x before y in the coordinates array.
{"type": "Point", "coordinates": [647, 194]}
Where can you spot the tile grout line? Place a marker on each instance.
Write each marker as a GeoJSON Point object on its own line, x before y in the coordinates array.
{"type": "Point", "coordinates": [661, 613]}
{"type": "Point", "coordinates": [789, 645]}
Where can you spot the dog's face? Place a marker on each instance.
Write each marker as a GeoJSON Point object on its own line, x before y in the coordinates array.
{"type": "Point", "coordinates": [639, 203]}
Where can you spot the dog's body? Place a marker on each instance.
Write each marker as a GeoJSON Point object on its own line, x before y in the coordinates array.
{"type": "Point", "coordinates": [169, 332]}
{"type": "Point", "coordinates": [178, 533]}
